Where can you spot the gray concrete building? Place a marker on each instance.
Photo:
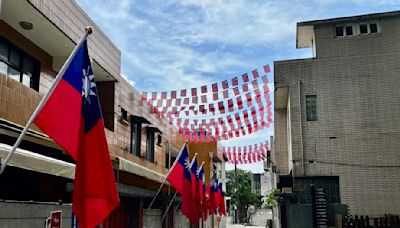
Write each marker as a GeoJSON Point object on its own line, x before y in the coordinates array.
{"type": "Point", "coordinates": [337, 114]}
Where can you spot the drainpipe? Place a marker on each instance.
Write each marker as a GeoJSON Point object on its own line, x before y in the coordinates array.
{"type": "Point", "coordinates": [301, 129]}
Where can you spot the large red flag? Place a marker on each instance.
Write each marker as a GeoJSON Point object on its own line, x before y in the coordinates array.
{"type": "Point", "coordinates": [72, 118]}
{"type": "Point", "coordinates": [203, 194]}
{"type": "Point", "coordinates": [195, 191]}
{"type": "Point", "coordinates": [181, 179]}
{"type": "Point", "coordinates": [210, 197]}
{"type": "Point", "coordinates": [216, 194]}
{"type": "Point", "coordinates": [221, 207]}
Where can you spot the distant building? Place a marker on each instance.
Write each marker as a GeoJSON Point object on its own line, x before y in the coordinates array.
{"type": "Point", "coordinates": [36, 37]}
{"type": "Point", "coordinates": [256, 183]}
{"type": "Point", "coordinates": [261, 183]}
{"type": "Point", "coordinates": [337, 114]}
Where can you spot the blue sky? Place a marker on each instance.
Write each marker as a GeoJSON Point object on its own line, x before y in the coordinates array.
{"type": "Point", "coordinates": [178, 44]}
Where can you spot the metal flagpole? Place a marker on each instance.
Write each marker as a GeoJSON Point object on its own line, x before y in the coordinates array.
{"type": "Point", "coordinates": [191, 163]}
{"type": "Point", "coordinates": [88, 31]}
{"type": "Point", "coordinates": [165, 179]}
{"type": "Point", "coordinates": [169, 205]}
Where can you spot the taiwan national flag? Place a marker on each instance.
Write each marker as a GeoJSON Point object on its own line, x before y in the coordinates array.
{"type": "Point", "coordinates": [210, 198]}
{"type": "Point", "coordinates": [195, 190]}
{"type": "Point", "coordinates": [221, 207]}
{"type": "Point", "coordinates": [217, 194]}
{"type": "Point", "coordinates": [202, 190]}
{"type": "Point", "coordinates": [72, 118]}
{"type": "Point", "coordinates": [212, 189]}
{"type": "Point", "coordinates": [181, 179]}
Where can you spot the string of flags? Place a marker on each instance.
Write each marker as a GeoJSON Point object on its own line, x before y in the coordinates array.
{"type": "Point", "coordinates": [219, 111]}
{"type": "Point", "coordinates": [246, 154]}
{"type": "Point", "coordinates": [199, 200]}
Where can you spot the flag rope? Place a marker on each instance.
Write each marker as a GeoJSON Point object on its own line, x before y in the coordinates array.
{"type": "Point", "coordinates": [88, 31]}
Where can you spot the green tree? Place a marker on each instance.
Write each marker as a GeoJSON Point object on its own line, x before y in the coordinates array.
{"type": "Point", "coordinates": [269, 200]}
{"type": "Point", "coordinates": [240, 191]}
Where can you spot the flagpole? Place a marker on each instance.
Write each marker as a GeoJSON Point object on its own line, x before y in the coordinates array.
{"type": "Point", "coordinates": [88, 31]}
{"type": "Point", "coordinates": [169, 205]}
{"type": "Point", "coordinates": [194, 157]}
{"type": "Point", "coordinates": [166, 176]}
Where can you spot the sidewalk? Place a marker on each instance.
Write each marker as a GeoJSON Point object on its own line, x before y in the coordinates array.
{"type": "Point", "coordinates": [230, 225]}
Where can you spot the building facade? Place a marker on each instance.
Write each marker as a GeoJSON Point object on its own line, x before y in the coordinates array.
{"type": "Point", "coordinates": [36, 37]}
{"type": "Point", "coordinates": [337, 114]}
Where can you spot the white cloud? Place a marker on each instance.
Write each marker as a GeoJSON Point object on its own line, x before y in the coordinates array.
{"type": "Point", "coordinates": [181, 44]}
{"type": "Point", "coordinates": [184, 43]}
{"type": "Point", "coordinates": [178, 44]}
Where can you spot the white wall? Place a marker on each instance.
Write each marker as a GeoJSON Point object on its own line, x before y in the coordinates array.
{"type": "Point", "coordinates": [27, 215]}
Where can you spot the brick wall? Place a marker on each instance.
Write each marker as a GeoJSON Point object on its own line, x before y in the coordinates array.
{"type": "Point", "coordinates": [17, 102]}
{"type": "Point", "coordinates": [203, 150]}
{"type": "Point", "coordinates": [356, 80]}
{"type": "Point", "coordinates": [71, 19]}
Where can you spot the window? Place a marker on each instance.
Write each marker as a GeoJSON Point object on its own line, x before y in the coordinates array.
{"type": "Point", "coordinates": [344, 30]}
{"type": "Point", "coordinates": [349, 30]}
{"type": "Point", "coordinates": [150, 145]}
{"type": "Point", "coordinates": [136, 136]}
{"type": "Point", "coordinates": [373, 28]}
{"type": "Point", "coordinates": [159, 140]}
{"type": "Point", "coordinates": [17, 65]}
{"type": "Point", "coordinates": [106, 91]}
{"type": "Point", "coordinates": [311, 107]}
{"type": "Point", "coordinates": [363, 29]}
{"type": "Point", "coordinates": [339, 31]}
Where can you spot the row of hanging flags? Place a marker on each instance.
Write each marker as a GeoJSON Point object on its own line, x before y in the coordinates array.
{"type": "Point", "coordinates": [198, 199]}
{"type": "Point", "coordinates": [220, 111]}
{"type": "Point", "coordinates": [246, 154]}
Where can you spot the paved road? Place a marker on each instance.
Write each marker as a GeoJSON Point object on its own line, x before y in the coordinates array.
{"type": "Point", "coordinates": [230, 225]}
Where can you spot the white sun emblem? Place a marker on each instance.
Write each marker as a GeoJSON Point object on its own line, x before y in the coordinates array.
{"type": "Point", "coordinates": [88, 85]}
{"type": "Point", "coordinates": [187, 164]}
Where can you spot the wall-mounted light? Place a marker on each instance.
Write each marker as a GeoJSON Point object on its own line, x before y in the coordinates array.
{"type": "Point", "coordinates": [26, 25]}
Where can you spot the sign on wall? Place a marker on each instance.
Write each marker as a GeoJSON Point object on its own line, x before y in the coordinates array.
{"type": "Point", "coordinates": [55, 220]}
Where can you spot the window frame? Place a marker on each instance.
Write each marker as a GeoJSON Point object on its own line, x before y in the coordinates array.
{"type": "Point", "coordinates": [311, 111]}
{"type": "Point", "coordinates": [136, 137]}
{"type": "Point", "coordinates": [367, 27]}
{"type": "Point", "coordinates": [368, 24]}
{"type": "Point", "coordinates": [23, 56]}
{"type": "Point", "coordinates": [377, 28]}
{"type": "Point", "coordinates": [150, 144]}
{"type": "Point", "coordinates": [344, 27]}
{"type": "Point", "coordinates": [356, 29]}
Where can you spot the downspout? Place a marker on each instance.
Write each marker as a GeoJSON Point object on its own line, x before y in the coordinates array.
{"type": "Point", "coordinates": [301, 128]}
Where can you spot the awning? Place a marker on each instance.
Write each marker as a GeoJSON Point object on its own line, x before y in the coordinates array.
{"type": "Point", "coordinates": [140, 119]}
{"type": "Point", "coordinates": [155, 129]}
{"type": "Point", "coordinates": [36, 162]}
{"type": "Point", "coordinates": [131, 167]}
